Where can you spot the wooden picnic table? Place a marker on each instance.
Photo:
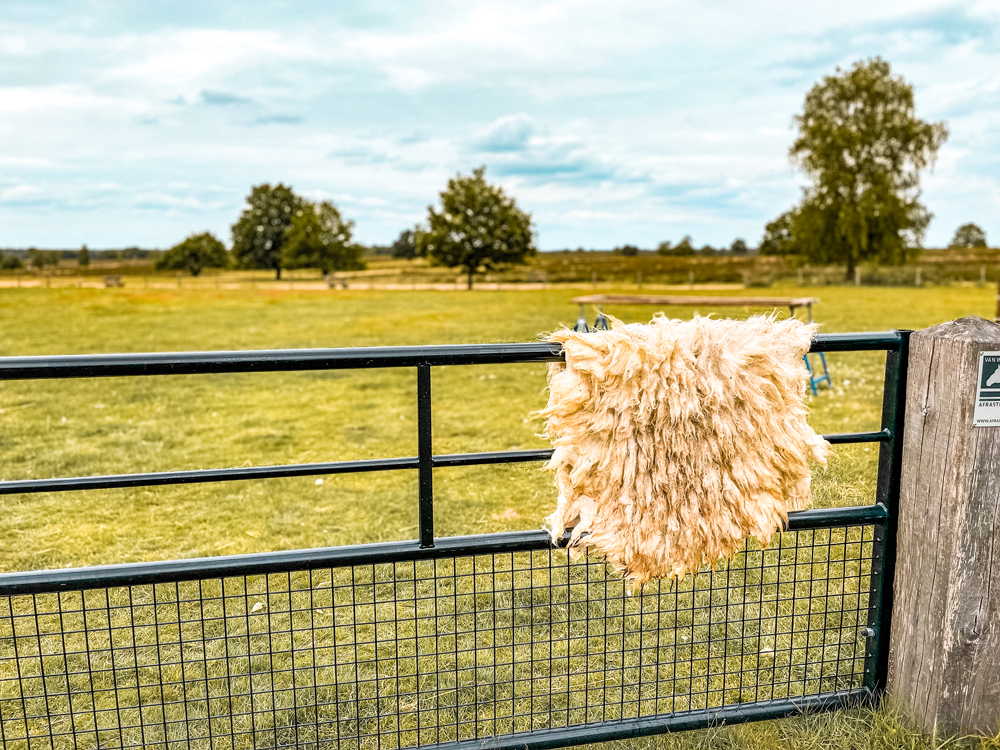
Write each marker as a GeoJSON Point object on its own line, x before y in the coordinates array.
{"type": "Point", "coordinates": [792, 303]}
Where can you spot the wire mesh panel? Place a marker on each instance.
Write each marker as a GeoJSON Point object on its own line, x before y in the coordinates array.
{"type": "Point", "coordinates": [420, 652]}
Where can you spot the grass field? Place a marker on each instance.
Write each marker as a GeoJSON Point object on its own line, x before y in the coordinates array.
{"type": "Point", "coordinates": [54, 428]}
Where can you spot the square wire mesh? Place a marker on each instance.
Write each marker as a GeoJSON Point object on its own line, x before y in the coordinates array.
{"type": "Point", "coordinates": [423, 652]}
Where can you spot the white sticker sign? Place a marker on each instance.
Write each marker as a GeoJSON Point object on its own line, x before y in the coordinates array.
{"type": "Point", "coordinates": [987, 411]}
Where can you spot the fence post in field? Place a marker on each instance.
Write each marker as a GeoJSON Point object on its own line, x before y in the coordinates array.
{"type": "Point", "coordinates": [800, 277]}
{"type": "Point", "coordinates": [982, 276]}
{"type": "Point", "coordinates": [691, 279]}
{"type": "Point", "coordinates": [857, 276]}
{"type": "Point", "coordinates": [945, 642]}
{"type": "Point", "coordinates": [916, 280]}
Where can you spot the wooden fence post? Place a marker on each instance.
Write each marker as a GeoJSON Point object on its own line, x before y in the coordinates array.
{"type": "Point", "coordinates": [945, 646]}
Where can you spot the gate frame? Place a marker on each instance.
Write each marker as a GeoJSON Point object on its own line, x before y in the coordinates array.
{"type": "Point", "coordinates": [882, 515]}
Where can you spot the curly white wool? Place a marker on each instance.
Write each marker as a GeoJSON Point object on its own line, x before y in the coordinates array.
{"type": "Point", "coordinates": [677, 440]}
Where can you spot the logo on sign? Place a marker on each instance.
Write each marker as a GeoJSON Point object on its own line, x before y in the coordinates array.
{"type": "Point", "coordinates": [987, 411]}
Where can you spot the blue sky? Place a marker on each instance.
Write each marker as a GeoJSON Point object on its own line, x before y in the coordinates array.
{"type": "Point", "coordinates": [128, 123]}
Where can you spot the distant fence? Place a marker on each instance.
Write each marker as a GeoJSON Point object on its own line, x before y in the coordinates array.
{"type": "Point", "coordinates": [497, 640]}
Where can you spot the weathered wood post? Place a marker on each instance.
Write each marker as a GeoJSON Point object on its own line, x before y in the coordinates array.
{"type": "Point", "coordinates": [945, 645]}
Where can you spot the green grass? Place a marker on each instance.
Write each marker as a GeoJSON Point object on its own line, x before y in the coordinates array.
{"type": "Point", "coordinates": [63, 428]}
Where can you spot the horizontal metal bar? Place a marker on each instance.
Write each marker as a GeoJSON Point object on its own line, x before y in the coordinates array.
{"type": "Point", "coordinates": [583, 734]}
{"type": "Point", "coordinates": [859, 437]}
{"type": "Point", "coordinates": [828, 518]}
{"type": "Point", "coordinates": [498, 457]}
{"type": "Point", "coordinates": [284, 360]}
{"type": "Point", "coordinates": [138, 574]}
{"type": "Point", "coordinates": [160, 478]}
{"type": "Point", "coordinates": [857, 342]}
{"type": "Point", "coordinates": [270, 360]}
{"type": "Point", "coordinates": [194, 476]}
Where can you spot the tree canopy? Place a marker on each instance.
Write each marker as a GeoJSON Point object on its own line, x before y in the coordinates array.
{"type": "Point", "coordinates": [477, 226]}
{"type": "Point", "coordinates": [194, 254]}
{"type": "Point", "coordinates": [259, 233]}
{"type": "Point", "coordinates": [739, 247]}
{"type": "Point", "coordinates": [684, 247]}
{"type": "Point", "coordinates": [405, 245]}
{"type": "Point", "coordinates": [863, 146]}
{"type": "Point", "coordinates": [319, 237]}
{"type": "Point", "coordinates": [968, 235]}
{"type": "Point", "coordinates": [83, 256]}
{"type": "Point", "coordinates": [10, 262]}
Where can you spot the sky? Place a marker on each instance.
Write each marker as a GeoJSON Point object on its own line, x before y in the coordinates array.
{"type": "Point", "coordinates": [125, 123]}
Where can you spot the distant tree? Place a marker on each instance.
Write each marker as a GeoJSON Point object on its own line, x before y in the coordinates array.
{"type": "Point", "coordinates": [405, 245]}
{"type": "Point", "coordinates": [706, 250]}
{"type": "Point", "coordinates": [132, 253]}
{"type": "Point", "coordinates": [739, 247]}
{"type": "Point", "coordinates": [779, 236]}
{"type": "Point", "coordinates": [259, 233]}
{"type": "Point", "coordinates": [863, 146]}
{"type": "Point", "coordinates": [10, 262]}
{"type": "Point", "coordinates": [41, 258]}
{"type": "Point", "coordinates": [968, 235]}
{"type": "Point", "coordinates": [194, 254]}
{"type": "Point", "coordinates": [477, 226]}
{"type": "Point", "coordinates": [83, 256]}
{"type": "Point", "coordinates": [319, 237]}
{"type": "Point", "coordinates": [684, 247]}
{"type": "Point", "coordinates": [629, 251]}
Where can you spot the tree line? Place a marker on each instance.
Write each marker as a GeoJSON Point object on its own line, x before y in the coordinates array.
{"type": "Point", "coordinates": [859, 141]}
{"type": "Point", "coordinates": [477, 227]}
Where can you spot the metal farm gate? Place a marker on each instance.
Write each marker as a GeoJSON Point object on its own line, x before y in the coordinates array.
{"type": "Point", "coordinates": [498, 640]}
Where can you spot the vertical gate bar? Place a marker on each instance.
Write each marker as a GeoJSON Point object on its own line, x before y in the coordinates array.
{"type": "Point", "coordinates": [890, 461]}
{"type": "Point", "coordinates": [425, 455]}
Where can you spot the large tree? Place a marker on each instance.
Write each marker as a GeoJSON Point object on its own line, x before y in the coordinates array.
{"type": "Point", "coordinates": [477, 226]}
{"type": "Point", "coordinates": [319, 237]}
{"type": "Point", "coordinates": [259, 233]}
{"type": "Point", "coordinates": [193, 254]}
{"type": "Point", "coordinates": [863, 146]}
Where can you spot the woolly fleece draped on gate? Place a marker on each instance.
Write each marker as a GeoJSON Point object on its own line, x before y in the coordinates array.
{"type": "Point", "coordinates": [677, 440]}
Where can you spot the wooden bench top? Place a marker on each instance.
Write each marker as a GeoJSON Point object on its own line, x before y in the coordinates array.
{"type": "Point", "coordinates": [691, 300]}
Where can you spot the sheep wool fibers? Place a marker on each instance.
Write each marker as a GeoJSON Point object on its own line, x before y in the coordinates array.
{"type": "Point", "coordinates": [675, 441]}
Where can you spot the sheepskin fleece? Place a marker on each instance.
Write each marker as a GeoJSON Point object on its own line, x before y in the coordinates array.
{"type": "Point", "coordinates": [677, 440]}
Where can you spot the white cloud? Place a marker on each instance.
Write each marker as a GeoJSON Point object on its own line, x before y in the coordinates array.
{"type": "Point", "coordinates": [618, 122]}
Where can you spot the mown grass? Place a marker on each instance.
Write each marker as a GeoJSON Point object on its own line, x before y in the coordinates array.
{"type": "Point", "coordinates": [61, 428]}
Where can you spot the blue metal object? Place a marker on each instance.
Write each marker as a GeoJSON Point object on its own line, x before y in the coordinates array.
{"type": "Point", "coordinates": [815, 378]}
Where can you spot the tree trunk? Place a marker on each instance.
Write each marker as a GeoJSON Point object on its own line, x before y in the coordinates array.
{"type": "Point", "coordinates": [471, 271]}
{"type": "Point", "coordinates": [849, 276]}
{"type": "Point", "coordinates": [278, 273]}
